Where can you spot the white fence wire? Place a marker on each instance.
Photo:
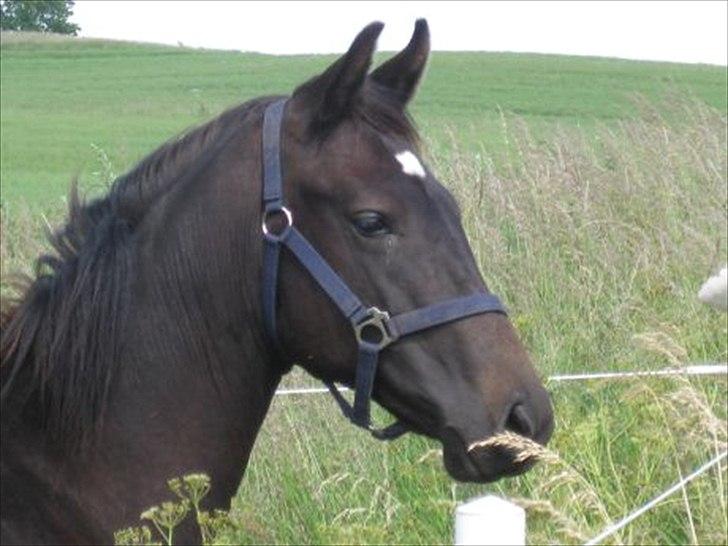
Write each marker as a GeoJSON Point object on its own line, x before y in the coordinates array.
{"type": "Point", "coordinates": [609, 531]}
{"type": "Point", "coordinates": [696, 369]}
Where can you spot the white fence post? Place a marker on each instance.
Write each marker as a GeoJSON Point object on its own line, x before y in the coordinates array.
{"type": "Point", "coordinates": [490, 520]}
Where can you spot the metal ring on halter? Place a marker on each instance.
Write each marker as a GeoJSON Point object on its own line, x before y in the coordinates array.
{"type": "Point", "coordinates": [378, 320]}
{"type": "Point", "coordinates": [276, 237]}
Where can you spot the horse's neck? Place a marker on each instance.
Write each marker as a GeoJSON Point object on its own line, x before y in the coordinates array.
{"type": "Point", "coordinates": [199, 380]}
{"type": "Point", "coordinates": [194, 381]}
{"type": "Point", "coordinates": [158, 425]}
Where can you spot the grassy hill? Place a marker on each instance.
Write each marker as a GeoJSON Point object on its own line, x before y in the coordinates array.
{"type": "Point", "coordinates": [594, 196]}
{"type": "Point", "coordinates": [67, 102]}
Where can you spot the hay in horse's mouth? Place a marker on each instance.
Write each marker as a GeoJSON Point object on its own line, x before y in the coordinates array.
{"type": "Point", "coordinates": [525, 449]}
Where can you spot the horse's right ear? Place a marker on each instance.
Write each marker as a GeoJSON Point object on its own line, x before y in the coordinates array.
{"type": "Point", "coordinates": [401, 74]}
{"type": "Point", "coordinates": [324, 100]}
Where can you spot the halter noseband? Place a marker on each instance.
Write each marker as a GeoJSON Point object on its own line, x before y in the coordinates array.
{"type": "Point", "coordinates": [374, 329]}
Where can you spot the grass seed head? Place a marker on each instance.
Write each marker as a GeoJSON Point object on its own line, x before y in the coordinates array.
{"type": "Point", "coordinates": [525, 449]}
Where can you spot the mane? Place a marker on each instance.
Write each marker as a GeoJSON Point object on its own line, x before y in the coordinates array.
{"type": "Point", "coordinates": [62, 338]}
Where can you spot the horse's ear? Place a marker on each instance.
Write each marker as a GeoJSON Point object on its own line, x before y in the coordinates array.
{"type": "Point", "coordinates": [402, 73]}
{"type": "Point", "coordinates": [325, 99]}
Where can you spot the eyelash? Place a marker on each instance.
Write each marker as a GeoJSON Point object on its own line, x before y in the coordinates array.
{"type": "Point", "coordinates": [370, 223]}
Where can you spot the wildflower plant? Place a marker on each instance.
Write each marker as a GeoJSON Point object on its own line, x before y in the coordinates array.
{"type": "Point", "coordinates": [165, 517]}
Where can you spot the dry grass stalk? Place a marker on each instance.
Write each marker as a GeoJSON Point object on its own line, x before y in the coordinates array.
{"type": "Point", "coordinates": [694, 416]}
{"type": "Point", "coordinates": [565, 526]}
{"type": "Point", "coordinates": [382, 496]}
{"type": "Point", "coordinates": [347, 514]}
{"type": "Point", "coordinates": [430, 454]}
{"type": "Point", "coordinates": [525, 448]}
{"type": "Point", "coordinates": [581, 490]}
{"type": "Point", "coordinates": [662, 343]}
{"type": "Point", "coordinates": [334, 479]}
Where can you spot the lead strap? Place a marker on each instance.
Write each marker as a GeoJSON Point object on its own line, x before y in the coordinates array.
{"type": "Point", "coordinates": [273, 202]}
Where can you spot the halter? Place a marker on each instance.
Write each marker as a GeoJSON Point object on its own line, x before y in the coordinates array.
{"type": "Point", "coordinates": [374, 329]}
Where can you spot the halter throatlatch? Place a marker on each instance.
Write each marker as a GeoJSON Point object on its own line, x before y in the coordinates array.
{"type": "Point", "coordinates": [374, 329]}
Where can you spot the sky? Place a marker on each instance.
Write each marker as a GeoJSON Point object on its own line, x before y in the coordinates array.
{"type": "Point", "coordinates": [690, 31]}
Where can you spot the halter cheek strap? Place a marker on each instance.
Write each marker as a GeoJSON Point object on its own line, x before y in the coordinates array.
{"type": "Point", "coordinates": [374, 329]}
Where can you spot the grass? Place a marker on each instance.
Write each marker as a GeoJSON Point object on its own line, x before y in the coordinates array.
{"type": "Point", "coordinates": [62, 98]}
{"type": "Point", "coordinates": [594, 195]}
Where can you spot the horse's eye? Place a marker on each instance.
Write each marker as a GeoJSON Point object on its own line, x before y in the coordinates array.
{"type": "Point", "coordinates": [370, 224]}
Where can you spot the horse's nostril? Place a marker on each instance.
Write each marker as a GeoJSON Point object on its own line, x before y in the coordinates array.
{"type": "Point", "coordinates": [519, 421]}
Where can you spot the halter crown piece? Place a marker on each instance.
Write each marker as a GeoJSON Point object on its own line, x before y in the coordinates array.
{"type": "Point", "coordinates": [374, 329]}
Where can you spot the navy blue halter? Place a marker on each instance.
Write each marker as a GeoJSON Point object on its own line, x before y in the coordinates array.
{"type": "Point", "coordinates": [374, 329]}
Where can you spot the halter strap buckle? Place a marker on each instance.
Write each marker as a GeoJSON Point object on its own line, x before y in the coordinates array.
{"type": "Point", "coordinates": [374, 329]}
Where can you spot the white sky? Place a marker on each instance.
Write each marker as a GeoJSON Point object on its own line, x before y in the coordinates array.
{"type": "Point", "coordinates": [687, 31]}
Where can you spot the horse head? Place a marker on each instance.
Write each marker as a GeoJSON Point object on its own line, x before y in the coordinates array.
{"type": "Point", "coordinates": [364, 198]}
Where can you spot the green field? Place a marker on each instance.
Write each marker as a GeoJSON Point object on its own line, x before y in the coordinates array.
{"type": "Point", "coordinates": [594, 195]}
{"type": "Point", "coordinates": [65, 102]}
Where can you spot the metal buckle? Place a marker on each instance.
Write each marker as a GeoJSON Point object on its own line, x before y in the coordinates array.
{"type": "Point", "coordinates": [377, 320]}
{"type": "Point", "coordinates": [283, 232]}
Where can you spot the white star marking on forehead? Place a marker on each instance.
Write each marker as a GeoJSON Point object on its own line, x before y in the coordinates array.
{"type": "Point", "coordinates": [410, 164]}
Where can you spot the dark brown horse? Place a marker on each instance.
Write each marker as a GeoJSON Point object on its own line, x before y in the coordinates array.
{"type": "Point", "coordinates": [138, 353]}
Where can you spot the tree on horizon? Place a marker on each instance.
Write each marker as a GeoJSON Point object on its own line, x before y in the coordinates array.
{"type": "Point", "coordinates": [38, 15]}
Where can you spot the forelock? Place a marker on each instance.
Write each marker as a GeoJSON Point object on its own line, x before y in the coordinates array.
{"type": "Point", "coordinates": [379, 109]}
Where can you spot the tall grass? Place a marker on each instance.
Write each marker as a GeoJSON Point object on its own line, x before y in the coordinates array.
{"type": "Point", "coordinates": [598, 242]}
{"type": "Point", "coordinates": [593, 239]}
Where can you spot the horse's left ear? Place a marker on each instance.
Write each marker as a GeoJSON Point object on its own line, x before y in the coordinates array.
{"type": "Point", "coordinates": [327, 98]}
{"type": "Point", "coordinates": [402, 73]}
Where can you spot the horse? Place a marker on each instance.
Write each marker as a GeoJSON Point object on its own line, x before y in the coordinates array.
{"type": "Point", "coordinates": [142, 349]}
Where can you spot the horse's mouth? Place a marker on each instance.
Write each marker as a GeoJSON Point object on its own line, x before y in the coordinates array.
{"type": "Point", "coordinates": [481, 464]}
